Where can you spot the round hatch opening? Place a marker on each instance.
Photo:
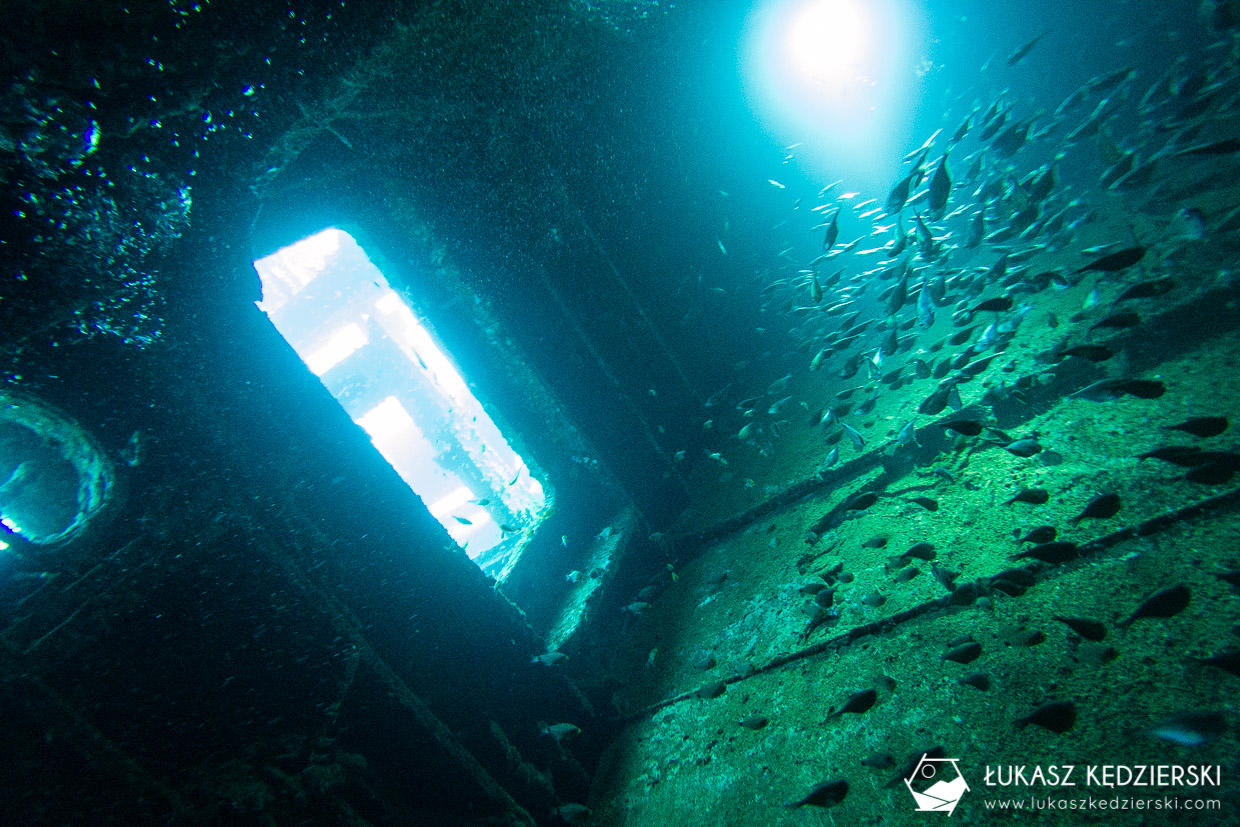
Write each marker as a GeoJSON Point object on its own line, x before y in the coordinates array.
{"type": "Point", "coordinates": [53, 479]}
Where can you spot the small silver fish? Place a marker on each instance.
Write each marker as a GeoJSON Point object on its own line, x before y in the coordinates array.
{"type": "Point", "coordinates": [561, 732]}
{"type": "Point", "coordinates": [857, 439]}
{"type": "Point", "coordinates": [573, 813]}
{"type": "Point", "coordinates": [1188, 225]}
{"type": "Point", "coordinates": [1191, 729]}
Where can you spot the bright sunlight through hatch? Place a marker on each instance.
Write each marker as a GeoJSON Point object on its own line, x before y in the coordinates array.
{"type": "Point", "coordinates": [369, 349]}
{"type": "Point", "coordinates": [837, 78]}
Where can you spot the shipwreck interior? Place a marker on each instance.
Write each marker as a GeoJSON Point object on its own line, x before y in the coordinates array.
{"type": "Point", "coordinates": [511, 521]}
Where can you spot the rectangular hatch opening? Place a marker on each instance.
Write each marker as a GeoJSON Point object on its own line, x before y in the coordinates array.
{"type": "Point", "coordinates": [369, 349]}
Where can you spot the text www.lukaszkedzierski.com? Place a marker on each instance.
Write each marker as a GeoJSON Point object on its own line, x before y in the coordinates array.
{"type": "Point", "coordinates": [1114, 803]}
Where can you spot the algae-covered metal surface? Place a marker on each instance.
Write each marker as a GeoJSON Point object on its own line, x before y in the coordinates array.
{"type": "Point", "coordinates": [960, 649]}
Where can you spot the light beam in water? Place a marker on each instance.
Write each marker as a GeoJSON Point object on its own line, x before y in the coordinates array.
{"type": "Point", "coordinates": [838, 77]}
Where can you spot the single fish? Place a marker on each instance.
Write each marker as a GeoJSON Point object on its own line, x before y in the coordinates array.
{"type": "Point", "coordinates": [1189, 224]}
{"type": "Point", "coordinates": [573, 814]}
{"type": "Point", "coordinates": [965, 653]}
{"type": "Point", "coordinates": [878, 761]}
{"type": "Point", "coordinates": [561, 732]}
{"type": "Point", "coordinates": [1114, 262]}
{"type": "Point", "coordinates": [906, 574]}
{"type": "Point", "coordinates": [1167, 602]}
{"type": "Point", "coordinates": [996, 305]}
{"type": "Point", "coordinates": [937, 401]}
{"type": "Point", "coordinates": [1100, 507]}
{"type": "Point", "coordinates": [1118, 321]}
{"type": "Point", "coordinates": [1088, 629]}
{"type": "Point", "coordinates": [921, 551]}
{"type": "Point", "coordinates": [860, 502]}
{"type": "Point", "coordinates": [1041, 534]}
{"type": "Point", "coordinates": [1054, 552]}
{"type": "Point", "coordinates": [1091, 353]}
{"type": "Point", "coordinates": [1211, 473]}
{"type": "Point", "coordinates": [1201, 426]}
{"type": "Point", "coordinates": [977, 680]}
{"type": "Point", "coordinates": [1108, 390]}
{"type": "Point", "coordinates": [1033, 496]}
{"type": "Point", "coordinates": [1228, 660]}
{"type": "Point", "coordinates": [965, 427]}
{"type": "Point", "coordinates": [833, 233]}
{"type": "Point", "coordinates": [925, 306]}
{"type": "Point", "coordinates": [702, 660]}
{"type": "Point", "coordinates": [1147, 289]}
{"type": "Point", "coordinates": [1024, 447]}
{"type": "Point", "coordinates": [940, 188]}
{"type": "Point", "coordinates": [1023, 52]}
{"type": "Point", "coordinates": [858, 440]}
{"type": "Point", "coordinates": [826, 794]}
{"type": "Point", "coordinates": [857, 703]}
{"type": "Point", "coordinates": [1227, 146]}
{"type": "Point", "coordinates": [1191, 729]}
{"type": "Point", "coordinates": [899, 194]}
{"type": "Point", "coordinates": [1058, 717]}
